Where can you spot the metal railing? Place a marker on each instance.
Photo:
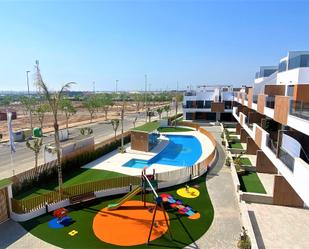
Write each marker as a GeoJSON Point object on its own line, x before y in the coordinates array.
{"type": "Point", "coordinates": [299, 109]}
{"type": "Point", "coordinates": [272, 145]}
{"type": "Point", "coordinates": [286, 158]}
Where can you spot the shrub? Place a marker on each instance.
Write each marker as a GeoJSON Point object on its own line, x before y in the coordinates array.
{"type": "Point", "coordinates": [244, 241]}
{"type": "Point", "coordinates": [67, 167]}
{"type": "Point", "coordinates": [228, 161]}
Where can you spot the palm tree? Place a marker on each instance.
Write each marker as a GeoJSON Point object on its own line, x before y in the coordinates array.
{"type": "Point", "coordinates": [167, 108]}
{"type": "Point", "coordinates": [35, 146]}
{"type": "Point", "coordinates": [115, 124]}
{"type": "Point", "coordinates": [160, 111]}
{"type": "Point", "coordinates": [53, 99]}
{"type": "Point", "coordinates": [69, 110]}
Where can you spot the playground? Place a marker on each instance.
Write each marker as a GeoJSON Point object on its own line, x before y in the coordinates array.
{"type": "Point", "coordinates": [164, 219]}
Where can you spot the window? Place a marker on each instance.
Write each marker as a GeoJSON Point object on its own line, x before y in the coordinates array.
{"type": "Point", "coordinates": [227, 104]}
{"type": "Point", "coordinates": [282, 66]}
{"type": "Point", "coordinates": [208, 104]}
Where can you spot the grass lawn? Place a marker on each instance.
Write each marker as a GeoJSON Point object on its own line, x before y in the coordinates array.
{"type": "Point", "coordinates": [184, 231]}
{"type": "Point", "coordinates": [250, 182]}
{"type": "Point", "coordinates": [244, 161]}
{"type": "Point", "coordinates": [148, 127]}
{"type": "Point", "coordinates": [173, 129]}
{"type": "Point", "coordinates": [236, 146]}
{"type": "Point", "coordinates": [79, 176]}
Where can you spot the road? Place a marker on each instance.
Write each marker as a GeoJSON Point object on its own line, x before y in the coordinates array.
{"type": "Point", "coordinates": [23, 159]}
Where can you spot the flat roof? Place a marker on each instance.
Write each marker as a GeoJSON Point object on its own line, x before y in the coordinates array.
{"type": "Point", "coordinates": [148, 127]}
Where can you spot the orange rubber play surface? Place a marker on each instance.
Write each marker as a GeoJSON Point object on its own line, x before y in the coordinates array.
{"type": "Point", "coordinates": [129, 225]}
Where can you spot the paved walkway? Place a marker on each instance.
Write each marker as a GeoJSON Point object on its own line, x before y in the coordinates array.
{"type": "Point", "coordinates": [14, 235]}
{"type": "Point", "coordinates": [279, 227]}
{"type": "Point", "coordinates": [225, 229]}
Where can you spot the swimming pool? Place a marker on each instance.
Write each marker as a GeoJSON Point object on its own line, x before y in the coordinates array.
{"type": "Point", "coordinates": [180, 151]}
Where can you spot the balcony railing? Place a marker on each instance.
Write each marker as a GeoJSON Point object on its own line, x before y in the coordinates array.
{"type": "Point", "coordinates": [287, 159]}
{"type": "Point", "coordinates": [299, 109]}
{"type": "Point", "coordinates": [255, 99]}
{"type": "Point", "coordinates": [190, 94]}
{"type": "Point", "coordinates": [270, 102]}
{"type": "Point", "coordinates": [272, 145]}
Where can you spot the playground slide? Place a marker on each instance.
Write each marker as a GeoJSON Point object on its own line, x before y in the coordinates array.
{"type": "Point", "coordinates": [127, 197]}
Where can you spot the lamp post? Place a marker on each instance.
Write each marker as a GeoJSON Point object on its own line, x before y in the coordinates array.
{"type": "Point", "coordinates": [30, 111]}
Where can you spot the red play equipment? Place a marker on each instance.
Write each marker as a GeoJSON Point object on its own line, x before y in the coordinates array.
{"type": "Point", "coordinates": [60, 213]}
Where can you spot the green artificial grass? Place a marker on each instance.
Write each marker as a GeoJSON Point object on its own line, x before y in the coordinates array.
{"type": "Point", "coordinates": [184, 230]}
{"type": "Point", "coordinates": [250, 182]}
{"type": "Point", "coordinates": [77, 177]}
{"type": "Point", "coordinates": [173, 129]}
{"type": "Point", "coordinates": [244, 161]}
{"type": "Point", "coordinates": [5, 182]}
{"type": "Point", "coordinates": [236, 146]}
{"type": "Point", "coordinates": [148, 127]}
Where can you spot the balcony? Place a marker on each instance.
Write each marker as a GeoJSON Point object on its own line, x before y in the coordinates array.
{"type": "Point", "coordinates": [299, 109]}
{"type": "Point", "coordinates": [255, 99]}
{"type": "Point", "coordinates": [190, 93]}
{"type": "Point", "coordinates": [270, 102]}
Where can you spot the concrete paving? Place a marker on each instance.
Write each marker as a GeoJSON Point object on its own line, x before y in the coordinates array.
{"type": "Point", "coordinates": [226, 227]}
{"type": "Point", "coordinates": [14, 235]}
{"type": "Point", "coordinates": [268, 182]}
{"type": "Point", "coordinates": [114, 160]}
{"type": "Point", "coordinates": [279, 227]}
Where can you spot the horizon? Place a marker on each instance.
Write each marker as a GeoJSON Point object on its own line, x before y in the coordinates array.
{"type": "Point", "coordinates": [191, 43]}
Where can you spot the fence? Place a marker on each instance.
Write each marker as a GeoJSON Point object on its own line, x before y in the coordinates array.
{"type": "Point", "coordinates": [45, 171]}
{"type": "Point", "coordinates": [31, 174]}
{"type": "Point", "coordinates": [189, 124]}
{"type": "Point", "coordinates": [170, 178]}
{"type": "Point", "coordinates": [28, 205]}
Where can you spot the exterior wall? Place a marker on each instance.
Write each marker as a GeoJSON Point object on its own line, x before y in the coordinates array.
{"type": "Point", "coordinates": [217, 106]}
{"type": "Point", "coordinates": [301, 92]}
{"type": "Point", "coordinates": [238, 128]}
{"type": "Point", "coordinates": [243, 135]}
{"type": "Point", "coordinates": [261, 103]}
{"type": "Point", "coordinates": [258, 136]}
{"type": "Point", "coordinates": [273, 90]}
{"type": "Point", "coordinates": [281, 109]}
{"type": "Point", "coordinates": [263, 164]}
{"type": "Point", "coordinates": [250, 97]}
{"type": "Point", "coordinates": [139, 141]}
{"type": "Point", "coordinates": [284, 194]}
{"type": "Point", "coordinates": [251, 147]}
{"type": "Point", "coordinates": [294, 76]}
{"type": "Point", "coordinates": [4, 207]}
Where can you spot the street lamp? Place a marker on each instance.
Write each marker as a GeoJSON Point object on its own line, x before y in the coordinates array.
{"type": "Point", "coordinates": [30, 111]}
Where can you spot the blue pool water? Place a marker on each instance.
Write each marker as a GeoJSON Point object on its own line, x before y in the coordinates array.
{"type": "Point", "coordinates": [180, 151]}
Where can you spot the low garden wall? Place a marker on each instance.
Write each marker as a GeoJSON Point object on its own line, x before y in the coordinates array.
{"type": "Point", "coordinates": [29, 208]}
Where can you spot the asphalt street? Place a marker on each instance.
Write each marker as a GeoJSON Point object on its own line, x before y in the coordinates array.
{"type": "Point", "coordinates": [23, 158]}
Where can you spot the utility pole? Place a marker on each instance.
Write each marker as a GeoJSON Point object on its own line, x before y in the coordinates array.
{"type": "Point", "coordinates": [146, 110]}
{"type": "Point", "coordinates": [30, 111]}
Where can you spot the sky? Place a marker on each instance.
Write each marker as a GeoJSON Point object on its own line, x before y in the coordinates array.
{"type": "Point", "coordinates": [189, 42]}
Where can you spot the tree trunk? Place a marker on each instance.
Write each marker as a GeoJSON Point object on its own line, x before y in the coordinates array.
{"type": "Point", "coordinates": [105, 114]}
{"type": "Point", "coordinates": [67, 122]}
{"type": "Point", "coordinates": [57, 144]}
{"type": "Point", "coordinates": [36, 165]}
{"type": "Point", "coordinates": [115, 135]}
